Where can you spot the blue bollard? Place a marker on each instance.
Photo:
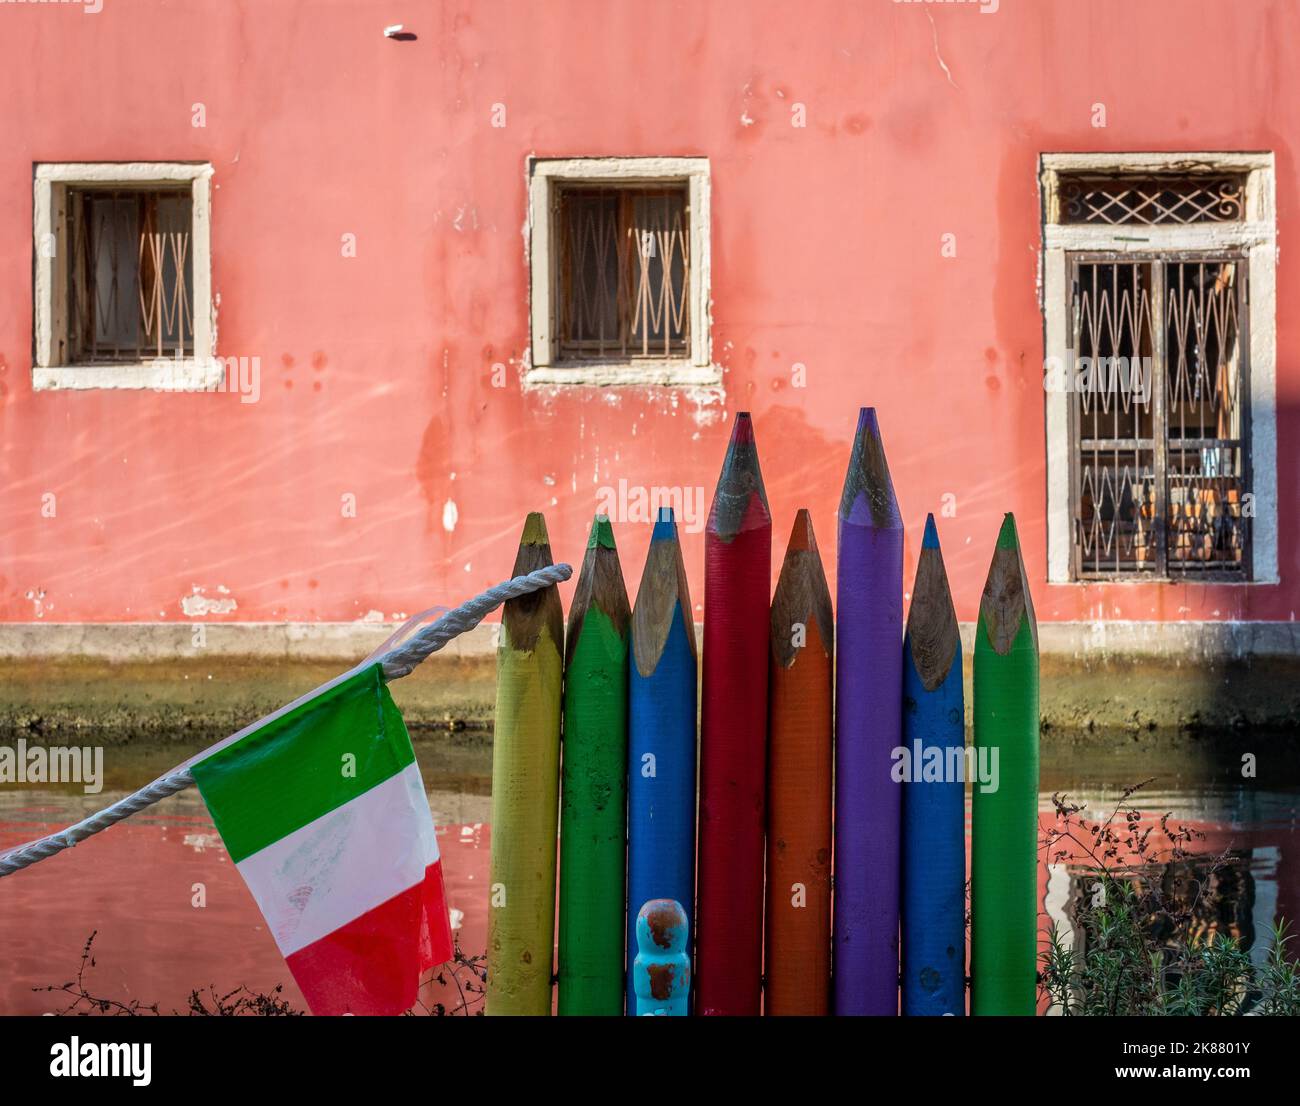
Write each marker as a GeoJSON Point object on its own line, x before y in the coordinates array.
{"type": "Point", "coordinates": [661, 972]}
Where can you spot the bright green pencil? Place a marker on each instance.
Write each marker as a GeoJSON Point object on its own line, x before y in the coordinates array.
{"type": "Point", "coordinates": [1004, 822]}
{"type": "Point", "coordinates": [593, 803]}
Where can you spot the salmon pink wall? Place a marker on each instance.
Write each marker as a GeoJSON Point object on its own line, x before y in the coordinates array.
{"type": "Point", "coordinates": [376, 371]}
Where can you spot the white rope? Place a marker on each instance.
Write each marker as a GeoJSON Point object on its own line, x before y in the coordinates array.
{"type": "Point", "coordinates": [402, 660]}
{"type": "Point", "coordinates": [397, 662]}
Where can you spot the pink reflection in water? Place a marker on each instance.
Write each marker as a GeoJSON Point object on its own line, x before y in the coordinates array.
{"type": "Point", "coordinates": [137, 884]}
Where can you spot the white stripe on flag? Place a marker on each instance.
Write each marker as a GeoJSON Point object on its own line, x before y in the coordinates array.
{"type": "Point", "coordinates": [346, 862]}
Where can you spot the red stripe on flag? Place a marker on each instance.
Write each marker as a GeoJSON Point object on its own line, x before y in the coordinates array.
{"type": "Point", "coordinates": [373, 964]}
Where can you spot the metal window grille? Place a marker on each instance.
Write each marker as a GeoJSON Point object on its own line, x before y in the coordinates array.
{"type": "Point", "coordinates": [1158, 370]}
{"type": "Point", "coordinates": [130, 276]}
{"type": "Point", "coordinates": [1153, 200]}
{"type": "Point", "coordinates": [623, 272]}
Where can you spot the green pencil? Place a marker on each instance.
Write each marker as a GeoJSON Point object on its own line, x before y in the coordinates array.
{"type": "Point", "coordinates": [593, 804]}
{"type": "Point", "coordinates": [1004, 821]}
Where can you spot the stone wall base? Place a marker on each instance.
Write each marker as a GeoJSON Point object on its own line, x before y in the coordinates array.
{"type": "Point", "coordinates": [116, 683]}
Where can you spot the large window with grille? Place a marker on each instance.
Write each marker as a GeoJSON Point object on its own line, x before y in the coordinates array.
{"type": "Point", "coordinates": [1160, 457]}
{"type": "Point", "coordinates": [1158, 288]}
{"type": "Point", "coordinates": [619, 271]}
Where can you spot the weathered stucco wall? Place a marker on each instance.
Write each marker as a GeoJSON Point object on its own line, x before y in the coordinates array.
{"type": "Point", "coordinates": [376, 371]}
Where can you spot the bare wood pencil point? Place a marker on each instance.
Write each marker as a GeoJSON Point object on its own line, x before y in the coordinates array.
{"type": "Point", "coordinates": [932, 632]}
{"type": "Point", "coordinates": [738, 482]}
{"type": "Point", "coordinates": [802, 594]}
{"type": "Point", "coordinates": [868, 476]}
{"type": "Point", "coordinates": [524, 618]}
{"type": "Point", "coordinates": [600, 584]}
{"type": "Point", "coordinates": [1006, 592]}
{"type": "Point", "coordinates": [663, 586]}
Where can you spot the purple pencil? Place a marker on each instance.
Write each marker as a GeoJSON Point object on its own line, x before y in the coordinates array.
{"type": "Point", "coordinates": [868, 692]}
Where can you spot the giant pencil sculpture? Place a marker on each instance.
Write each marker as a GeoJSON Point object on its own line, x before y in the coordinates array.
{"type": "Point", "coordinates": [661, 738]}
{"type": "Point", "coordinates": [797, 964]}
{"type": "Point", "coordinates": [868, 684]}
{"type": "Point", "coordinates": [737, 585]}
{"type": "Point", "coordinates": [1004, 817]}
{"type": "Point", "coordinates": [593, 804]}
{"type": "Point", "coordinates": [934, 832]}
{"type": "Point", "coordinates": [525, 791]}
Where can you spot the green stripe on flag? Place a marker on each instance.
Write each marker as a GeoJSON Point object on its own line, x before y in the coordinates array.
{"type": "Point", "coordinates": [312, 760]}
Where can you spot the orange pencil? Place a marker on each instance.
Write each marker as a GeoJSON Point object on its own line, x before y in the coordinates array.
{"type": "Point", "coordinates": [798, 932]}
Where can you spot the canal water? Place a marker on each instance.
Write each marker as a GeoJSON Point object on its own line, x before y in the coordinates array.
{"type": "Point", "coordinates": [172, 915]}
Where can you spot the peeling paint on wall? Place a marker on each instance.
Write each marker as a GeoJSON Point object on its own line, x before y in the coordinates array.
{"type": "Point", "coordinates": [197, 604]}
{"type": "Point", "coordinates": [36, 596]}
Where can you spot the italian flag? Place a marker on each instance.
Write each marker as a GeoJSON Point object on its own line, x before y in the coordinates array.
{"type": "Point", "coordinates": [324, 813]}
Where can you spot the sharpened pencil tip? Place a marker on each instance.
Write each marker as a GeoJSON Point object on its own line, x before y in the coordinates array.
{"type": "Point", "coordinates": [665, 528]}
{"type": "Point", "coordinates": [801, 534]}
{"type": "Point", "coordinates": [1006, 599]}
{"type": "Point", "coordinates": [742, 430]}
{"type": "Point", "coordinates": [602, 533]}
{"type": "Point", "coordinates": [868, 497]}
{"type": "Point", "coordinates": [1007, 536]}
{"type": "Point", "coordinates": [933, 636]}
{"type": "Point", "coordinates": [535, 530]}
{"type": "Point", "coordinates": [740, 502]}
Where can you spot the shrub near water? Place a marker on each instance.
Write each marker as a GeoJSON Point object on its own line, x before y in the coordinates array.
{"type": "Point", "coordinates": [462, 979]}
{"type": "Point", "coordinates": [1139, 921]}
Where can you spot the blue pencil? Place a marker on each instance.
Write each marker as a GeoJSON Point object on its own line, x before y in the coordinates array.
{"type": "Point", "coordinates": [661, 738]}
{"type": "Point", "coordinates": [934, 847]}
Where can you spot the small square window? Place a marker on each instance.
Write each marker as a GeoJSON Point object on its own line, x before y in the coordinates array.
{"type": "Point", "coordinates": [624, 272]}
{"type": "Point", "coordinates": [123, 277]}
{"type": "Point", "coordinates": [130, 274]}
{"type": "Point", "coordinates": [619, 255]}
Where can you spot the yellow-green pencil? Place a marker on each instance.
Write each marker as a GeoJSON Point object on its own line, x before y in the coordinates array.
{"type": "Point", "coordinates": [525, 791]}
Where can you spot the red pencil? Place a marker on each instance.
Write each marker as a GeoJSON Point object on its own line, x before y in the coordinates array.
{"type": "Point", "coordinates": [733, 736]}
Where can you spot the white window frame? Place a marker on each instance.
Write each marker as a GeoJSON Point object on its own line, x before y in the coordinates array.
{"type": "Point", "coordinates": [543, 177]}
{"type": "Point", "coordinates": [202, 371]}
{"type": "Point", "coordinates": [1256, 234]}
